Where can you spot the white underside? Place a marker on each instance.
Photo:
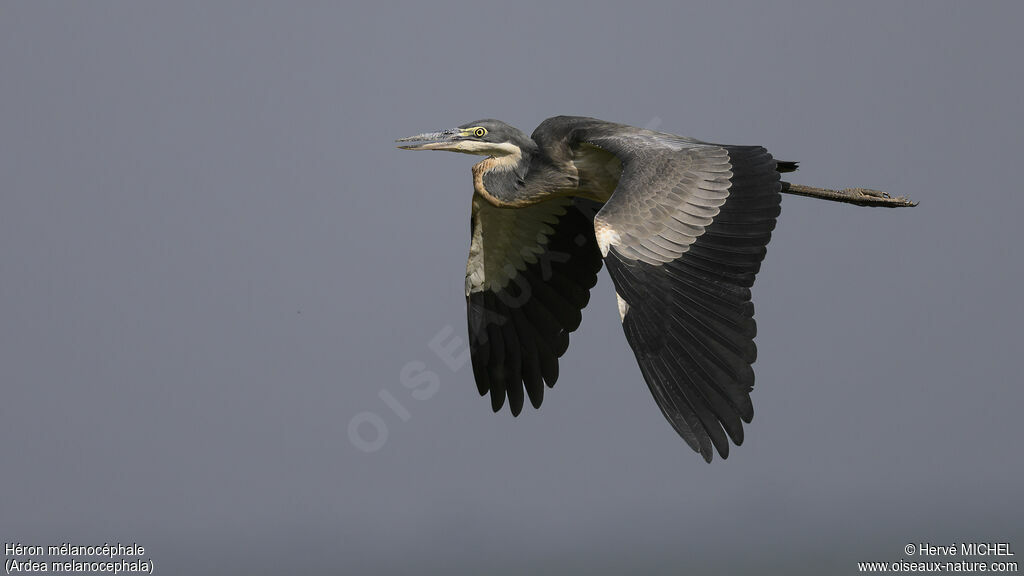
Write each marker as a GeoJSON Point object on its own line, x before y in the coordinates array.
{"type": "Point", "coordinates": [623, 307]}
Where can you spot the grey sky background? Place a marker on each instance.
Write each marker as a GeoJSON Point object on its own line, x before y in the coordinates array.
{"type": "Point", "coordinates": [212, 258]}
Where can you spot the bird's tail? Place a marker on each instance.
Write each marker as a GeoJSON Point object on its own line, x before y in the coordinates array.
{"type": "Point", "coordinates": [784, 166]}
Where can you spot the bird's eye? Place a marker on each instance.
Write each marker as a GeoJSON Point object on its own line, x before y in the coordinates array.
{"type": "Point", "coordinates": [480, 132]}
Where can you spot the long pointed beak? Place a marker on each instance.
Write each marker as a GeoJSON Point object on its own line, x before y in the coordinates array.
{"type": "Point", "coordinates": [444, 140]}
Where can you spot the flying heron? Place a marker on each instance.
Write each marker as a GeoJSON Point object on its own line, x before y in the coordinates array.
{"type": "Point", "coordinates": [682, 226]}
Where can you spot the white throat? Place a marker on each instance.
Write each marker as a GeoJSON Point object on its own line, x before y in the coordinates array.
{"type": "Point", "coordinates": [503, 152]}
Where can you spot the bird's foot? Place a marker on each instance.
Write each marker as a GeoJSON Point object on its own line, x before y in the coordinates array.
{"type": "Point", "coordinates": [867, 192]}
{"type": "Point", "coordinates": [858, 196]}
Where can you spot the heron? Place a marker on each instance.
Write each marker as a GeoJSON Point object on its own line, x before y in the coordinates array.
{"type": "Point", "coordinates": [681, 225]}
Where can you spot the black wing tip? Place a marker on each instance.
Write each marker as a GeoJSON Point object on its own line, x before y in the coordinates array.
{"type": "Point", "coordinates": [497, 401]}
{"type": "Point", "coordinates": [515, 402]}
{"type": "Point", "coordinates": [747, 416]}
{"type": "Point", "coordinates": [708, 454]}
{"type": "Point", "coordinates": [515, 407]}
{"type": "Point", "coordinates": [704, 444]}
{"type": "Point", "coordinates": [536, 402]}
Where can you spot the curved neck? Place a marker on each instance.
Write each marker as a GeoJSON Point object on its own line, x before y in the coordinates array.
{"type": "Point", "coordinates": [501, 180]}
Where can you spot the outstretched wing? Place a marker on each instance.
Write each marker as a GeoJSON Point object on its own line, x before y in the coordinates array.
{"type": "Point", "coordinates": [683, 235]}
{"type": "Point", "coordinates": [528, 277]}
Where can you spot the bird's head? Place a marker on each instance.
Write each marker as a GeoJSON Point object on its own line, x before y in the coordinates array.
{"type": "Point", "coordinates": [480, 138]}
